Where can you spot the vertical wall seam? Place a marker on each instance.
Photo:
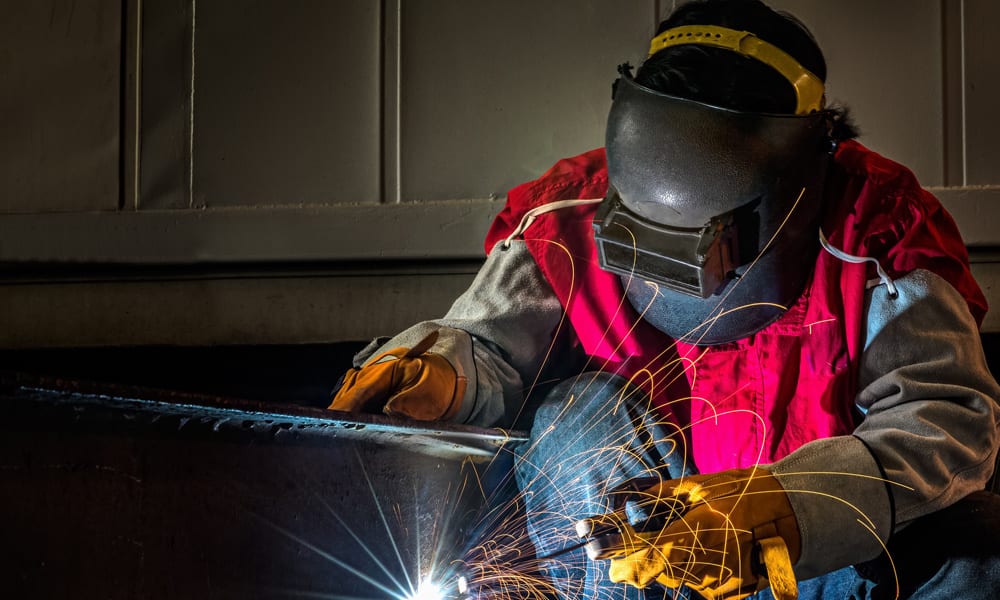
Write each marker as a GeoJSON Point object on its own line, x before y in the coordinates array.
{"type": "Point", "coordinates": [390, 82]}
{"type": "Point", "coordinates": [124, 92]}
{"type": "Point", "coordinates": [389, 101]}
{"type": "Point", "coordinates": [398, 101]}
{"type": "Point", "coordinates": [380, 91]}
{"type": "Point", "coordinates": [136, 137]}
{"type": "Point", "coordinates": [952, 93]}
{"type": "Point", "coordinates": [963, 99]}
{"type": "Point", "coordinates": [130, 109]}
{"type": "Point", "coordinates": [190, 132]}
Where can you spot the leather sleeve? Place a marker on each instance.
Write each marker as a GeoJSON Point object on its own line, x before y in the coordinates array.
{"type": "Point", "coordinates": [498, 334]}
{"type": "Point", "coordinates": [929, 434]}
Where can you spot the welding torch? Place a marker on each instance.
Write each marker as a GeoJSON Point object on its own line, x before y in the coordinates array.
{"type": "Point", "coordinates": [636, 515]}
{"type": "Point", "coordinates": [611, 534]}
{"type": "Point", "coordinates": [639, 515]}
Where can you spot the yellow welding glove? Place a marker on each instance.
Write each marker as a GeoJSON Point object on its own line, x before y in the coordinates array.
{"type": "Point", "coordinates": [404, 382]}
{"type": "Point", "coordinates": [737, 522]}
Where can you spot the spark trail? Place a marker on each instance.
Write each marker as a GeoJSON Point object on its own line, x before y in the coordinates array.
{"type": "Point", "coordinates": [501, 560]}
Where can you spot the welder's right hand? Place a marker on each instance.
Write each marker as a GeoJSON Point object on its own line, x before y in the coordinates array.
{"type": "Point", "coordinates": [737, 535]}
{"type": "Point", "coordinates": [404, 382]}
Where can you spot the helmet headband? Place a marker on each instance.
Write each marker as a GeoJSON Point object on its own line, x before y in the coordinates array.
{"type": "Point", "coordinates": [808, 88]}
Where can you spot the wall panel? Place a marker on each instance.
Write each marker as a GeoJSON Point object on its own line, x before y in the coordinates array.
{"type": "Point", "coordinates": [286, 102]}
{"type": "Point", "coordinates": [493, 92]}
{"type": "Point", "coordinates": [982, 92]}
{"type": "Point", "coordinates": [275, 136]}
{"type": "Point", "coordinates": [60, 64]}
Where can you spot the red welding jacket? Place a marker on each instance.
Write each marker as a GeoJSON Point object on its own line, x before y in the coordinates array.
{"type": "Point", "coordinates": [757, 399]}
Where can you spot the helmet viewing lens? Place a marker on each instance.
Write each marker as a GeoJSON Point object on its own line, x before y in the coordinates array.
{"type": "Point", "coordinates": [693, 261]}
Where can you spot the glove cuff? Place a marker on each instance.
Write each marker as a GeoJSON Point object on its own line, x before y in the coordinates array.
{"type": "Point", "coordinates": [841, 503]}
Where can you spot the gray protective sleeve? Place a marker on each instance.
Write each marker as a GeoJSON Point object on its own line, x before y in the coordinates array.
{"type": "Point", "coordinates": [928, 438]}
{"type": "Point", "coordinates": [497, 333]}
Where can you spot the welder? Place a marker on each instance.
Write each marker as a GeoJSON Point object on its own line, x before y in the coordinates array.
{"type": "Point", "coordinates": [741, 300]}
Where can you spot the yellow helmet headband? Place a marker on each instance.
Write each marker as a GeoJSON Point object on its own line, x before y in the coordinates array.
{"type": "Point", "coordinates": [808, 87]}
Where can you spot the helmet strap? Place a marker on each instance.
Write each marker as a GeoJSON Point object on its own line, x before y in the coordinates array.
{"type": "Point", "coordinates": [809, 89]}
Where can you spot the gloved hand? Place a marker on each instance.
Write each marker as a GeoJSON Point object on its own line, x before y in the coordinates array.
{"type": "Point", "coordinates": [404, 382]}
{"type": "Point", "coordinates": [737, 520]}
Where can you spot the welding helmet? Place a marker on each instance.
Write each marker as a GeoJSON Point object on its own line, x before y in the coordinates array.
{"type": "Point", "coordinates": [711, 217]}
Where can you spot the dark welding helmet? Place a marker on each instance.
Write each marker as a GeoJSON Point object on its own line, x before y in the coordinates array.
{"type": "Point", "coordinates": [712, 215]}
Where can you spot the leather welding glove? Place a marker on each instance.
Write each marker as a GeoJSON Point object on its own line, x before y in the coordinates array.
{"type": "Point", "coordinates": [736, 521]}
{"type": "Point", "coordinates": [404, 382]}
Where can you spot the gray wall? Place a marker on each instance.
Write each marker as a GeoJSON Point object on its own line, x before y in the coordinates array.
{"type": "Point", "coordinates": [180, 172]}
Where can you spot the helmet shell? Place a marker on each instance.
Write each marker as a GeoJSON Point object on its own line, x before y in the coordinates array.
{"type": "Point", "coordinates": [678, 166]}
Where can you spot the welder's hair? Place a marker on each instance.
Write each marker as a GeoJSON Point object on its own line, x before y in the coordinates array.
{"type": "Point", "coordinates": [724, 78]}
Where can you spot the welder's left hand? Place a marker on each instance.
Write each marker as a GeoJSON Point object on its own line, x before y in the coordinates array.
{"type": "Point", "coordinates": [734, 518]}
{"type": "Point", "coordinates": [404, 382]}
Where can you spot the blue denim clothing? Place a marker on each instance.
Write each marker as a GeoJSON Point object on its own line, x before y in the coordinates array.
{"type": "Point", "coordinates": [593, 432]}
{"type": "Point", "coordinates": [599, 438]}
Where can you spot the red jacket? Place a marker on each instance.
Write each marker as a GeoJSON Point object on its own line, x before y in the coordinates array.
{"type": "Point", "coordinates": [757, 399]}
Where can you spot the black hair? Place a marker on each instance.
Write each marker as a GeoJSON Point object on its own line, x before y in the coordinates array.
{"type": "Point", "coordinates": [724, 78]}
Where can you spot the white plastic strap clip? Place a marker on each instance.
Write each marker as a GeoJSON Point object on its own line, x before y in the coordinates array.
{"type": "Point", "coordinates": [883, 277]}
{"type": "Point", "coordinates": [529, 217]}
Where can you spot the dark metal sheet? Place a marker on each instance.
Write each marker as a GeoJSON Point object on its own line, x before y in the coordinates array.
{"type": "Point", "coordinates": [116, 492]}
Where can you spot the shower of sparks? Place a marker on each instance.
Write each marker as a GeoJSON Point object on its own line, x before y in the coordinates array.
{"type": "Point", "coordinates": [499, 560]}
{"type": "Point", "coordinates": [505, 564]}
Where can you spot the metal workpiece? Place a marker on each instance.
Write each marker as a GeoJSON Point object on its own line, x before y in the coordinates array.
{"type": "Point", "coordinates": [118, 492]}
{"type": "Point", "coordinates": [131, 407]}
